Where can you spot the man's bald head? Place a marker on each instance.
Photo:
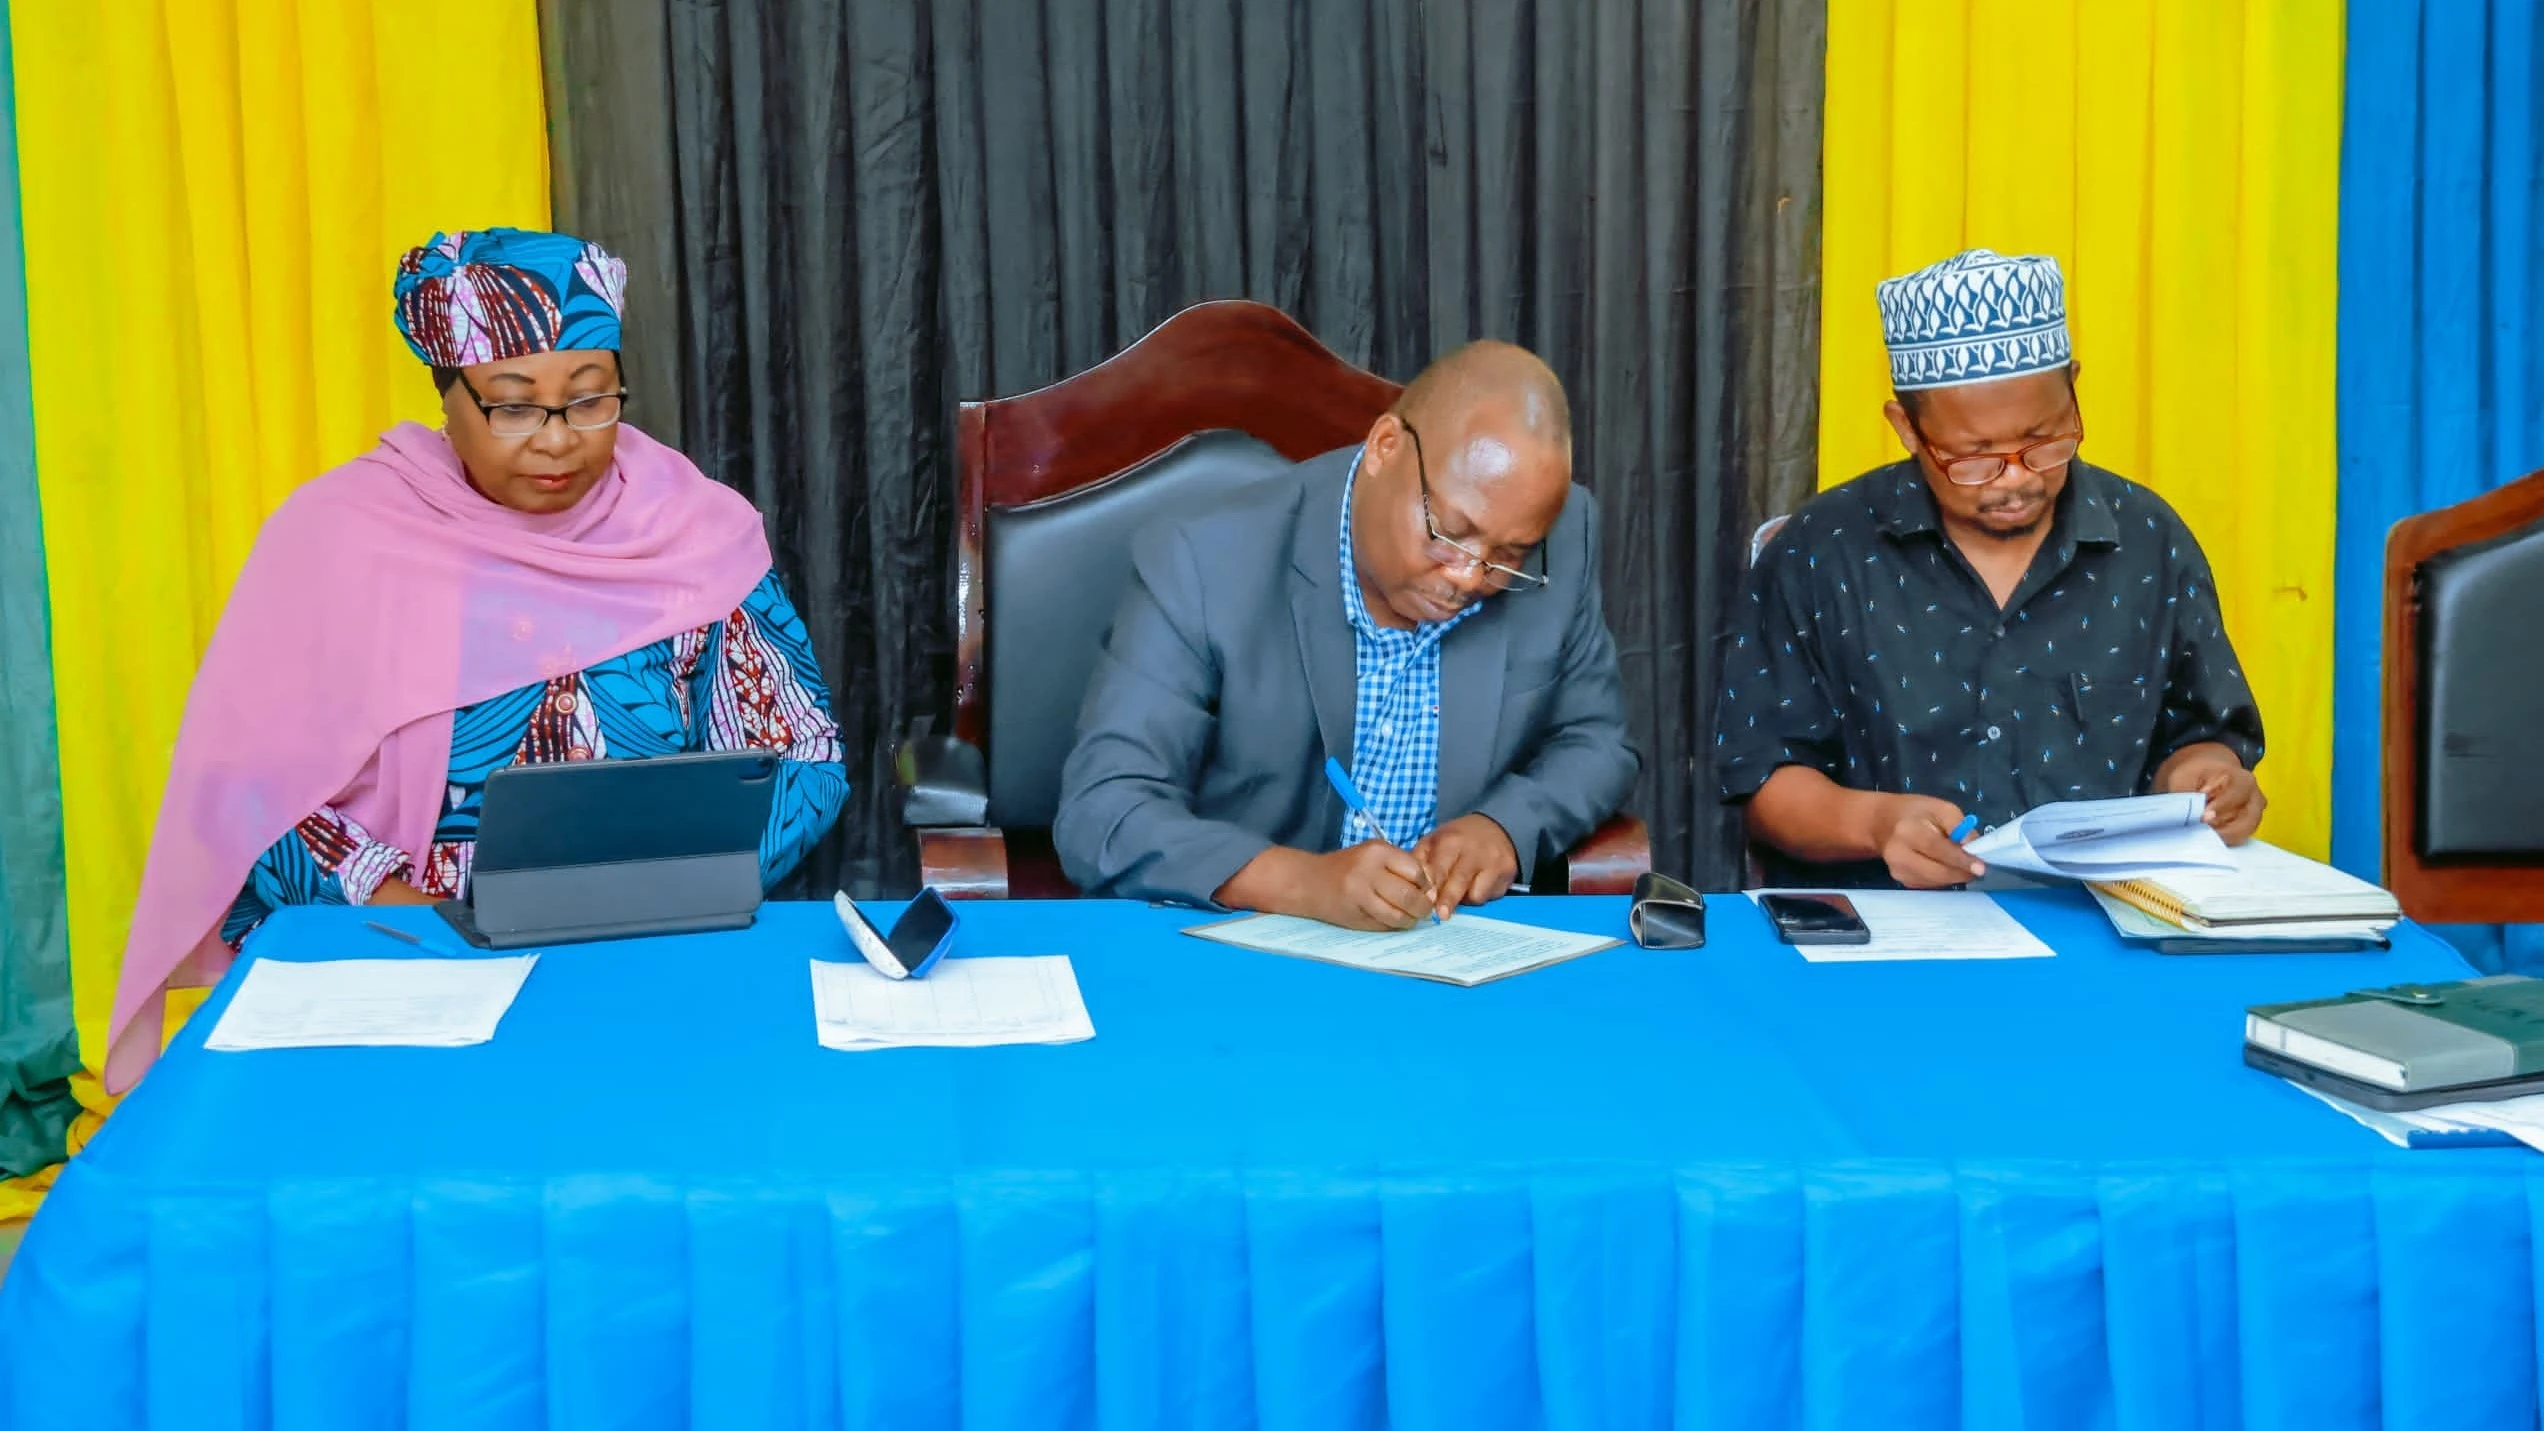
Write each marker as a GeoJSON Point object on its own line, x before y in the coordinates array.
{"type": "Point", "coordinates": [1494, 386]}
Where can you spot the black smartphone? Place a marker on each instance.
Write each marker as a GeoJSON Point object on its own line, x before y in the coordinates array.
{"type": "Point", "coordinates": [1815, 919]}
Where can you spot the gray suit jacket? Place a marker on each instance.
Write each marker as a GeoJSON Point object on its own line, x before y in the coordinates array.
{"type": "Point", "coordinates": [1229, 676]}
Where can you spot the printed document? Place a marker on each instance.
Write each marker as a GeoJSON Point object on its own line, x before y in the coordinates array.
{"type": "Point", "coordinates": [962, 1003]}
{"type": "Point", "coordinates": [1927, 924]}
{"type": "Point", "coordinates": [2134, 838]}
{"type": "Point", "coordinates": [1466, 950]}
{"type": "Point", "coordinates": [369, 1003]}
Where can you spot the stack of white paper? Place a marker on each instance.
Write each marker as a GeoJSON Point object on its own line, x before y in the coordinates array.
{"type": "Point", "coordinates": [1928, 924]}
{"type": "Point", "coordinates": [368, 1003]}
{"type": "Point", "coordinates": [2132, 838]}
{"type": "Point", "coordinates": [962, 1003]}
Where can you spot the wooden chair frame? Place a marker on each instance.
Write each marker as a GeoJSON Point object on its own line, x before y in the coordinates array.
{"type": "Point", "coordinates": [2442, 891]}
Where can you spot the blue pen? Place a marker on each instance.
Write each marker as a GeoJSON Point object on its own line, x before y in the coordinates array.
{"type": "Point", "coordinates": [418, 941]}
{"type": "Point", "coordinates": [1340, 779]}
{"type": "Point", "coordinates": [1969, 826]}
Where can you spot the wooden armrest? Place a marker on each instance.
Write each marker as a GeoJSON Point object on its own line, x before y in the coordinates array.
{"type": "Point", "coordinates": [964, 863]}
{"type": "Point", "coordinates": [1611, 859]}
{"type": "Point", "coordinates": [986, 862]}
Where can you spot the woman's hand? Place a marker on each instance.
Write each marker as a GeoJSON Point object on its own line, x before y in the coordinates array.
{"type": "Point", "coordinates": [397, 891]}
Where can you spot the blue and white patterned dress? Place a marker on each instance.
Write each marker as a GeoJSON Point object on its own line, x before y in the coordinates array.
{"type": "Point", "coordinates": [748, 682]}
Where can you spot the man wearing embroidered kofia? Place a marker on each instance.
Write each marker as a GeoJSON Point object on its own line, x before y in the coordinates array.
{"type": "Point", "coordinates": [1990, 624]}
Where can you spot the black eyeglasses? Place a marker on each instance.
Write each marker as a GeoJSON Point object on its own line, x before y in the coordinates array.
{"type": "Point", "coordinates": [526, 419]}
{"type": "Point", "coordinates": [1458, 557]}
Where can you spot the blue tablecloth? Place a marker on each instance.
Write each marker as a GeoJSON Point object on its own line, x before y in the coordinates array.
{"type": "Point", "coordinates": [1716, 1188]}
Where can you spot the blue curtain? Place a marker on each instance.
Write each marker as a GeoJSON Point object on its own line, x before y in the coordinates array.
{"type": "Point", "coordinates": [2441, 334]}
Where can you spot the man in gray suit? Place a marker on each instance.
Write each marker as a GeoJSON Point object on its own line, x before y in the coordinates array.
{"type": "Point", "coordinates": [1423, 608]}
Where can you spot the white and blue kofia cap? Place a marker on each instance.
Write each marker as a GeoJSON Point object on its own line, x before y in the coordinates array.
{"type": "Point", "coordinates": [1974, 318]}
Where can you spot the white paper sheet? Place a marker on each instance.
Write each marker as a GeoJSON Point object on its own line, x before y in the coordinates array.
{"type": "Point", "coordinates": [2397, 1127]}
{"type": "Point", "coordinates": [2133, 838]}
{"type": "Point", "coordinates": [368, 1003]}
{"type": "Point", "coordinates": [1466, 949]}
{"type": "Point", "coordinates": [962, 1003]}
{"type": "Point", "coordinates": [1927, 924]}
{"type": "Point", "coordinates": [2520, 1118]}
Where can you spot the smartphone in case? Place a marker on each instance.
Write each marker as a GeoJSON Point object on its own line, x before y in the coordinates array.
{"type": "Point", "coordinates": [1815, 919]}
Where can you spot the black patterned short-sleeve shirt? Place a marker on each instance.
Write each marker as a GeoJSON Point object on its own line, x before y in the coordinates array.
{"type": "Point", "coordinates": [1870, 650]}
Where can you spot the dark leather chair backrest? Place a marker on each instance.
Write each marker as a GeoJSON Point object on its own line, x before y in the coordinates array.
{"type": "Point", "coordinates": [2464, 706]}
{"type": "Point", "coordinates": [2481, 738]}
{"type": "Point", "coordinates": [1057, 569]}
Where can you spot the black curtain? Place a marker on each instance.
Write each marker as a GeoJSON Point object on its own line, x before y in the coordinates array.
{"type": "Point", "coordinates": [845, 216]}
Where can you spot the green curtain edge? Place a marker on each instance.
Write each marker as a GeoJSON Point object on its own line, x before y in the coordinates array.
{"type": "Point", "coordinates": [39, 1040]}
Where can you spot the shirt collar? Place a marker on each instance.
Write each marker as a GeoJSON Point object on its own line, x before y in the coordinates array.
{"type": "Point", "coordinates": [1904, 505]}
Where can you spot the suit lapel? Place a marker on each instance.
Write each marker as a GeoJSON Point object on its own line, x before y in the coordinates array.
{"type": "Point", "coordinates": [1316, 601]}
{"type": "Point", "coordinates": [1473, 660]}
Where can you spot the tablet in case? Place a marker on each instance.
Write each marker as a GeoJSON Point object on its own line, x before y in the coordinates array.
{"type": "Point", "coordinates": [2386, 1100]}
{"type": "Point", "coordinates": [617, 849]}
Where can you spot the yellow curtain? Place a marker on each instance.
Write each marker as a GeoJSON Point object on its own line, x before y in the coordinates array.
{"type": "Point", "coordinates": [2181, 160]}
{"type": "Point", "coordinates": [216, 193]}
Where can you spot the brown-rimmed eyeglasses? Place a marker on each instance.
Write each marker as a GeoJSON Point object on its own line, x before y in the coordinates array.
{"type": "Point", "coordinates": [1980, 468]}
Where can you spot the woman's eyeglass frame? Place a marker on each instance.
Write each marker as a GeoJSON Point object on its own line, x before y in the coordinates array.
{"type": "Point", "coordinates": [617, 401]}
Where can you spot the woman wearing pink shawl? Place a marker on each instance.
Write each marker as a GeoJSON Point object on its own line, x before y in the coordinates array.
{"type": "Point", "coordinates": [533, 582]}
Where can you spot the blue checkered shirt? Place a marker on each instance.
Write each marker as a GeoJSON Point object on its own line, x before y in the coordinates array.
{"type": "Point", "coordinates": [1395, 710]}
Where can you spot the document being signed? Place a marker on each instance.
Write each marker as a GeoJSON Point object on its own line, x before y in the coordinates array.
{"type": "Point", "coordinates": [1466, 950]}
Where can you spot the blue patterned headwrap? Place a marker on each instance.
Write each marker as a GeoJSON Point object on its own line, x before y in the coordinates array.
{"type": "Point", "coordinates": [483, 297]}
{"type": "Point", "coordinates": [1974, 318]}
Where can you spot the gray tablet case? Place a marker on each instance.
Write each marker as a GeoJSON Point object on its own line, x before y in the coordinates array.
{"type": "Point", "coordinates": [617, 849]}
{"type": "Point", "coordinates": [2386, 1100]}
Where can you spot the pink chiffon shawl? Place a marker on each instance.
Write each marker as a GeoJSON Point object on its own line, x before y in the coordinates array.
{"type": "Point", "coordinates": [378, 600]}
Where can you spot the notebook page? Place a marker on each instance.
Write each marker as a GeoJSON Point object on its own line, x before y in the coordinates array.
{"type": "Point", "coordinates": [2268, 878]}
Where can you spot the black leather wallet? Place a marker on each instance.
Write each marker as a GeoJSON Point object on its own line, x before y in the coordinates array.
{"type": "Point", "coordinates": [1666, 914]}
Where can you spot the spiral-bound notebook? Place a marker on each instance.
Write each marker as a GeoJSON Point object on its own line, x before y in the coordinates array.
{"type": "Point", "coordinates": [2267, 885]}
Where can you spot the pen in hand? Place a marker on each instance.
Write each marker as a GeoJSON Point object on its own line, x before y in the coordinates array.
{"type": "Point", "coordinates": [1340, 779]}
{"type": "Point", "coordinates": [1969, 826]}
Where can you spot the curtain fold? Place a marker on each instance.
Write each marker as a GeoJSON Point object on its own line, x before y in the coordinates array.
{"type": "Point", "coordinates": [215, 197]}
{"type": "Point", "coordinates": [2442, 335]}
{"type": "Point", "coordinates": [39, 1048]}
{"type": "Point", "coordinates": [2181, 161]}
{"type": "Point", "coordinates": [882, 208]}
